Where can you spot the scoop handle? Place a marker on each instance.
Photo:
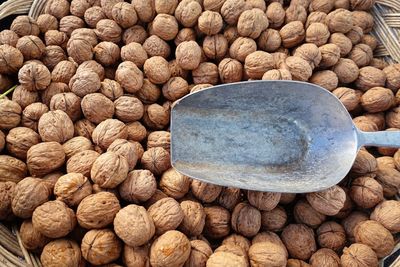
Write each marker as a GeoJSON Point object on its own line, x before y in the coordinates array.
{"type": "Point", "coordinates": [379, 139]}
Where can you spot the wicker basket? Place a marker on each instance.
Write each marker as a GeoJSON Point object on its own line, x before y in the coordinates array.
{"type": "Point", "coordinates": [386, 14]}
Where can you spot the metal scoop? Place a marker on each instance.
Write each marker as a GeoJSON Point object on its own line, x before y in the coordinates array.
{"type": "Point", "coordinates": [278, 136]}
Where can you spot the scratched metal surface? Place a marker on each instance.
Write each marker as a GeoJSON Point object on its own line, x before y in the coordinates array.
{"type": "Point", "coordinates": [280, 136]}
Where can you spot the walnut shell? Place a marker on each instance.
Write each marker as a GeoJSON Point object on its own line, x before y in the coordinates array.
{"type": "Point", "coordinates": [355, 35]}
{"type": "Point", "coordinates": [364, 164]}
{"type": "Point", "coordinates": [205, 192]}
{"type": "Point", "coordinates": [392, 73]}
{"type": "Point", "coordinates": [350, 222]}
{"type": "Point", "coordinates": [329, 201]}
{"type": "Point", "coordinates": [55, 126]}
{"type": "Point", "coordinates": [139, 186]}
{"type": "Point", "coordinates": [193, 218]}
{"type": "Point", "coordinates": [326, 79]}
{"type": "Point", "coordinates": [174, 184]}
{"type": "Point", "coordinates": [31, 47]}
{"type": "Point", "coordinates": [299, 68]}
{"type": "Point", "coordinates": [331, 235]}
{"type": "Point", "coordinates": [19, 140]}
{"type": "Point", "coordinates": [206, 72]}
{"type": "Point", "coordinates": [392, 118]}
{"type": "Point", "coordinates": [166, 214]}
{"type": "Point", "coordinates": [54, 37]}
{"type": "Point", "coordinates": [230, 70]}
{"type": "Point", "coordinates": [370, 77]}
{"type": "Point", "coordinates": [136, 256]}
{"type": "Point", "coordinates": [54, 219]}
{"type": "Point", "coordinates": [264, 201]}
{"type": "Point", "coordinates": [306, 214]}
{"type": "Point", "coordinates": [241, 48]}
{"type": "Point", "coordinates": [257, 63]}
{"type": "Point", "coordinates": [11, 59]}
{"type": "Point", "coordinates": [322, 6]}
{"type": "Point", "coordinates": [108, 30]}
{"type": "Point", "coordinates": [107, 131]}
{"type": "Point", "coordinates": [361, 54]}
{"type": "Point", "coordinates": [187, 12]}
{"type": "Point", "coordinates": [128, 108]}
{"type": "Point", "coordinates": [62, 250]}
{"type": "Point", "coordinates": [25, 25]}
{"type": "Point", "coordinates": [165, 26]}
{"type": "Point", "coordinates": [199, 254]}
{"type": "Point", "coordinates": [92, 65]}
{"type": "Point", "coordinates": [246, 220]}
{"type": "Point", "coordinates": [6, 195]}
{"type": "Point", "coordinates": [82, 162]}
{"type": "Point", "coordinates": [349, 97]}
{"type": "Point", "coordinates": [275, 14]}
{"type": "Point", "coordinates": [274, 220]}
{"type": "Point", "coordinates": [270, 237]}
{"type": "Point", "coordinates": [129, 76]}
{"type": "Point", "coordinates": [84, 82]}
{"type": "Point", "coordinates": [90, 104]}
{"type": "Point", "coordinates": [72, 188]}
{"type": "Point", "coordinates": [330, 55]}
{"type": "Point", "coordinates": [299, 240]}
{"type": "Point", "coordinates": [134, 225]}
{"type": "Point", "coordinates": [365, 124]}
{"type": "Point", "coordinates": [358, 255]}
{"type": "Point", "coordinates": [136, 131]}
{"type": "Point", "coordinates": [390, 180]}
{"type": "Point", "coordinates": [111, 89]}
{"type": "Point", "coordinates": [210, 22]}
{"type": "Point", "coordinates": [217, 222]}
{"type": "Point", "coordinates": [45, 158]}
{"type": "Point", "coordinates": [267, 253]}
{"type": "Point", "coordinates": [107, 53]}
{"type": "Point", "coordinates": [176, 243]}
{"type": "Point", "coordinates": [156, 160]}
{"type": "Point", "coordinates": [55, 88]}
{"type": "Point", "coordinates": [34, 76]}
{"type": "Point", "coordinates": [386, 213]}
{"type": "Point", "coordinates": [8, 37]}
{"type": "Point", "coordinates": [252, 22]}
{"type": "Point", "coordinates": [109, 170]}
{"type": "Point", "coordinates": [101, 246]}
{"type": "Point", "coordinates": [155, 46]}
{"type": "Point", "coordinates": [317, 33]}
{"type": "Point", "coordinates": [229, 197]}
{"type": "Point", "coordinates": [346, 70]}
{"type": "Point", "coordinates": [292, 34]}
{"type": "Point", "coordinates": [310, 53]}
{"type": "Point", "coordinates": [376, 236]}
{"type": "Point", "coordinates": [31, 238]}
{"type": "Point", "coordinates": [377, 99]}
{"type": "Point", "coordinates": [69, 103]}
{"type": "Point", "coordinates": [325, 257]}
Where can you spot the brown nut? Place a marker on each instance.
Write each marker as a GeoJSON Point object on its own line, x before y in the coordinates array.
{"type": "Point", "coordinates": [166, 214]}
{"type": "Point", "coordinates": [206, 72]}
{"type": "Point", "coordinates": [299, 68]}
{"type": "Point", "coordinates": [296, 12]}
{"type": "Point", "coordinates": [349, 223]}
{"type": "Point", "coordinates": [54, 37]}
{"type": "Point", "coordinates": [19, 140]}
{"type": "Point", "coordinates": [264, 201]}
{"type": "Point", "coordinates": [274, 220]}
{"type": "Point", "coordinates": [84, 128]}
{"type": "Point", "coordinates": [392, 73]}
{"type": "Point", "coordinates": [346, 70]}
{"type": "Point", "coordinates": [134, 225]}
{"type": "Point", "coordinates": [390, 180]}
{"type": "Point", "coordinates": [322, 6]}
{"type": "Point", "coordinates": [188, 55]}
{"type": "Point", "coordinates": [108, 30]}
{"type": "Point", "coordinates": [377, 99]}
{"type": "Point", "coordinates": [174, 184]}
{"type": "Point", "coordinates": [187, 12]}
{"type": "Point", "coordinates": [361, 5]}
{"type": "Point", "coordinates": [67, 102]}
{"type": "Point", "coordinates": [326, 79]}
{"type": "Point", "coordinates": [129, 76]}
{"type": "Point", "coordinates": [84, 82]}
{"type": "Point", "coordinates": [139, 186]}
{"type": "Point", "coordinates": [230, 70]}
{"type": "Point", "coordinates": [82, 162]}
{"type": "Point", "coordinates": [34, 77]}
{"type": "Point", "coordinates": [331, 235]}
{"type": "Point", "coordinates": [136, 256]}
{"type": "Point", "coordinates": [292, 34]}
{"type": "Point", "coordinates": [257, 63]}
{"type": "Point", "coordinates": [97, 210]}
{"type": "Point", "coordinates": [165, 26]}
{"type": "Point", "coordinates": [11, 59]}
{"type": "Point", "coordinates": [93, 15]}
{"type": "Point", "coordinates": [134, 52]}
{"type": "Point", "coordinates": [149, 93]}
{"type": "Point", "coordinates": [252, 22]}
{"type": "Point", "coordinates": [349, 97]}
{"type": "Point", "coordinates": [325, 257]}
{"type": "Point", "coordinates": [386, 213]}
{"type": "Point", "coordinates": [31, 238]}
{"type": "Point", "coordinates": [306, 214]}
{"type": "Point", "coordinates": [376, 236]}
{"type": "Point", "coordinates": [134, 34]}
{"type": "Point", "coordinates": [358, 255]}
{"type": "Point", "coordinates": [355, 34]}
{"type": "Point", "coordinates": [193, 218]}
{"type": "Point", "coordinates": [210, 22]}
{"type": "Point", "coordinates": [45, 158]}
{"type": "Point", "coordinates": [241, 48]}
{"type": "Point", "coordinates": [310, 53]}
{"type": "Point", "coordinates": [184, 35]}
{"type": "Point", "coordinates": [258, 254]}
{"type": "Point", "coordinates": [156, 160]}
{"type": "Point", "coordinates": [339, 20]}
{"type": "Point", "coordinates": [217, 222]}
{"type": "Point", "coordinates": [90, 104]}
{"type": "Point", "coordinates": [364, 164]}
{"type": "Point", "coordinates": [27, 196]}
{"type": "Point", "coordinates": [299, 240]}
{"type": "Point", "coordinates": [361, 54]}
{"type": "Point", "coordinates": [55, 126]}
{"type": "Point", "coordinates": [205, 192]}
{"type": "Point", "coordinates": [199, 254]}
{"type": "Point", "coordinates": [32, 114]}
{"type": "Point", "coordinates": [246, 220]}
{"type": "Point", "coordinates": [12, 169]}
{"type": "Point", "coordinates": [155, 46]}
{"type": "Point", "coordinates": [6, 195]}
{"type": "Point", "coordinates": [62, 250]}
{"type": "Point", "coordinates": [126, 149]}
{"type": "Point", "coordinates": [329, 201]}
{"type": "Point", "coordinates": [77, 144]}
{"type": "Point", "coordinates": [107, 131]}
{"type": "Point", "coordinates": [31, 47]}
{"type": "Point", "coordinates": [53, 89]}
{"type": "Point", "coordinates": [101, 246]}
{"type": "Point", "coordinates": [343, 42]}
{"type": "Point", "coordinates": [72, 188]}
{"type": "Point", "coordinates": [136, 131]}
{"type": "Point", "coordinates": [54, 219]}
{"type": "Point", "coordinates": [8, 37]}
{"type": "Point", "coordinates": [79, 49]}
{"type": "Point", "coordinates": [53, 55]}
{"type": "Point", "coordinates": [107, 53]}
{"type": "Point", "coordinates": [330, 55]}
{"type": "Point", "coordinates": [10, 114]}
{"type": "Point", "coordinates": [128, 109]}
{"type": "Point", "coordinates": [111, 89]}
{"type": "Point", "coordinates": [109, 170]}
{"type": "Point", "coordinates": [25, 25]}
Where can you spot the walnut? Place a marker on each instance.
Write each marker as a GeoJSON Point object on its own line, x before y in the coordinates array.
{"type": "Point", "coordinates": [392, 73]}
{"type": "Point", "coordinates": [257, 63]}
{"type": "Point", "coordinates": [267, 253]}
{"type": "Point", "coordinates": [199, 87]}
{"type": "Point", "coordinates": [93, 15]}
{"type": "Point", "coordinates": [347, 207]}
{"type": "Point", "coordinates": [376, 236]}
{"type": "Point", "coordinates": [136, 256]}
{"type": "Point", "coordinates": [70, 23]}
{"type": "Point", "coordinates": [218, 221]}
{"type": "Point", "coordinates": [349, 97]}
{"type": "Point", "coordinates": [129, 76]}
{"type": "Point", "coordinates": [215, 46]}
{"type": "Point", "coordinates": [346, 70]}
{"type": "Point", "coordinates": [365, 124]}
{"type": "Point", "coordinates": [306, 214]}
{"type": "Point", "coordinates": [364, 20]}
{"type": "Point", "coordinates": [90, 104]}
{"type": "Point", "coordinates": [350, 222]}
{"type": "Point", "coordinates": [84, 82]}
{"type": "Point", "coordinates": [205, 192]}
{"type": "Point", "coordinates": [264, 201]}
{"type": "Point", "coordinates": [187, 12]}
{"type": "Point", "coordinates": [299, 240]}
{"type": "Point", "coordinates": [44, 158]}
{"type": "Point", "coordinates": [274, 220]}
{"type": "Point", "coordinates": [19, 140]}
{"type": "Point", "coordinates": [165, 26]}
{"type": "Point", "coordinates": [63, 72]}
{"type": "Point", "coordinates": [72, 188]}
{"type": "Point", "coordinates": [386, 161]}
{"type": "Point", "coordinates": [53, 89]}
{"type": "Point", "coordinates": [297, 263]}
{"type": "Point", "coordinates": [32, 114]}
{"type": "Point", "coordinates": [317, 33]}
{"type": "Point", "coordinates": [370, 77]}
{"type": "Point", "coordinates": [82, 162]}
{"type": "Point", "coordinates": [139, 186]}
{"type": "Point", "coordinates": [108, 30]}
{"type": "Point", "coordinates": [12, 169]}
{"type": "Point", "coordinates": [128, 108]}
{"type": "Point", "coordinates": [330, 55]}
{"type": "Point", "coordinates": [361, 54]}
{"type": "Point", "coordinates": [251, 23]}
{"type": "Point", "coordinates": [361, 5]}
{"type": "Point", "coordinates": [54, 37]}
{"type": "Point", "coordinates": [175, 242]}
{"type": "Point", "coordinates": [166, 214]}
{"type": "Point", "coordinates": [28, 194]}
{"type": "Point", "coordinates": [101, 246]}
{"type": "Point", "coordinates": [188, 55]}
{"type": "Point", "coordinates": [230, 70]}
{"type": "Point", "coordinates": [25, 25]}
{"type": "Point", "coordinates": [390, 180]}
{"type": "Point", "coordinates": [31, 238]}
{"type": "Point", "coordinates": [316, 17]}
{"type": "Point", "coordinates": [174, 184]}
{"type": "Point", "coordinates": [80, 50]}
{"type": "Point", "coordinates": [210, 22]}
{"type": "Point", "coordinates": [231, 34]}
{"type": "Point", "coordinates": [310, 53]}
{"type": "Point", "coordinates": [8, 37]}
{"type": "Point", "coordinates": [145, 10]}
{"type": "Point", "coordinates": [55, 126]}
{"type": "Point", "coordinates": [392, 119]}
{"type": "Point", "coordinates": [160, 139]}
{"type": "Point", "coordinates": [228, 255]}
{"type": "Point", "coordinates": [321, 5]}
{"type": "Point", "coordinates": [62, 250]}
{"type": "Point", "coordinates": [199, 254]}
{"type": "Point", "coordinates": [185, 35]}
{"type": "Point", "coordinates": [134, 52]}
{"type": "Point", "coordinates": [106, 53]}
{"type": "Point", "coordinates": [149, 93]}
{"type": "Point", "coordinates": [325, 257]}
{"type": "Point", "coordinates": [207, 72]}
{"type": "Point", "coordinates": [156, 116]}
{"type": "Point", "coordinates": [111, 89]}
{"type": "Point", "coordinates": [269, 40]}
{"type": "Point", "coordinates": [156, 159]}
{"type": "Point", "coordinates": [98, 210]}
{"type": "Point", "coordinates": [326, 79]}
{"type": "Point", "coordinates": [299, 68]}
{"type": "Point", "coordinates": [84, 128]}
{"type": "Point", "coordinates": [270, 237]}
{"type": "Point", "coordinates": [124, 14]}
{"type": "Point", "coordinates": [329, 201]}
{"type": "Point", "coordinates": [136, 131]}
{"type": "Point", "coordinates": [377, 99]}
{"type": "Point", "coordinates": [11, 59]}
{"type": "Point", "coordinates": [292, 34]}
{"type": "Point", "coordinates": [237, 240]}
{"type": "Point", "coordinates": [386, 213]}
{"type": "Point", "coordinates": [165, 6]}
{"type": "Point", "coordinates": [134, 34]}
{"type": "Point", "coordinates": [57, 8]}
{"type": "Point", "coordinates": [232, 9]}
{"type": "Point", "coordinates": [339, 20]}
{"type": "Point", "coordinates": [31, 47]}
{"type": "Point", "coordinates": [67, 102]}
{"type": "Point", "coordinates": [107, 131]}
{"type": "Point", "coordinates": [331, 235]}
{"type": "Point", "coordinates": [358, 255]}
{"type": "Point", "coordinates": [241, 48]}
{"type": "Point", "coordinates": [229, 197]}
{"type": "Point", "coordinates": [6, 194]}
{"type": "Point", "coordinates": [109, 170]}
{"type": "Point", "coordinates": [54, 219]}
{"type": "Point", "coordinates": [364, 163]}
{"type": "Point", "coordinates": [125, 148]}
{"type": "Point", "coordinates": [343, 42]}
{"type": "Point", "coordinates": [10, 114]}
{"type": "Point", "coordinates": [134, 225]}
{"type": "Point", "coordinates": [355, 35]}
{"type": "Point", "coordinates": [34, 77]}
{"type": "Point", "coordinates": [296, 12]}
{"type": "Point", "coordinates": [246, 220]}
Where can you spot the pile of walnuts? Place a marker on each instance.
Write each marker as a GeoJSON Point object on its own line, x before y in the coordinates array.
{"type": "Point", "coordinates": [85, 147]}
